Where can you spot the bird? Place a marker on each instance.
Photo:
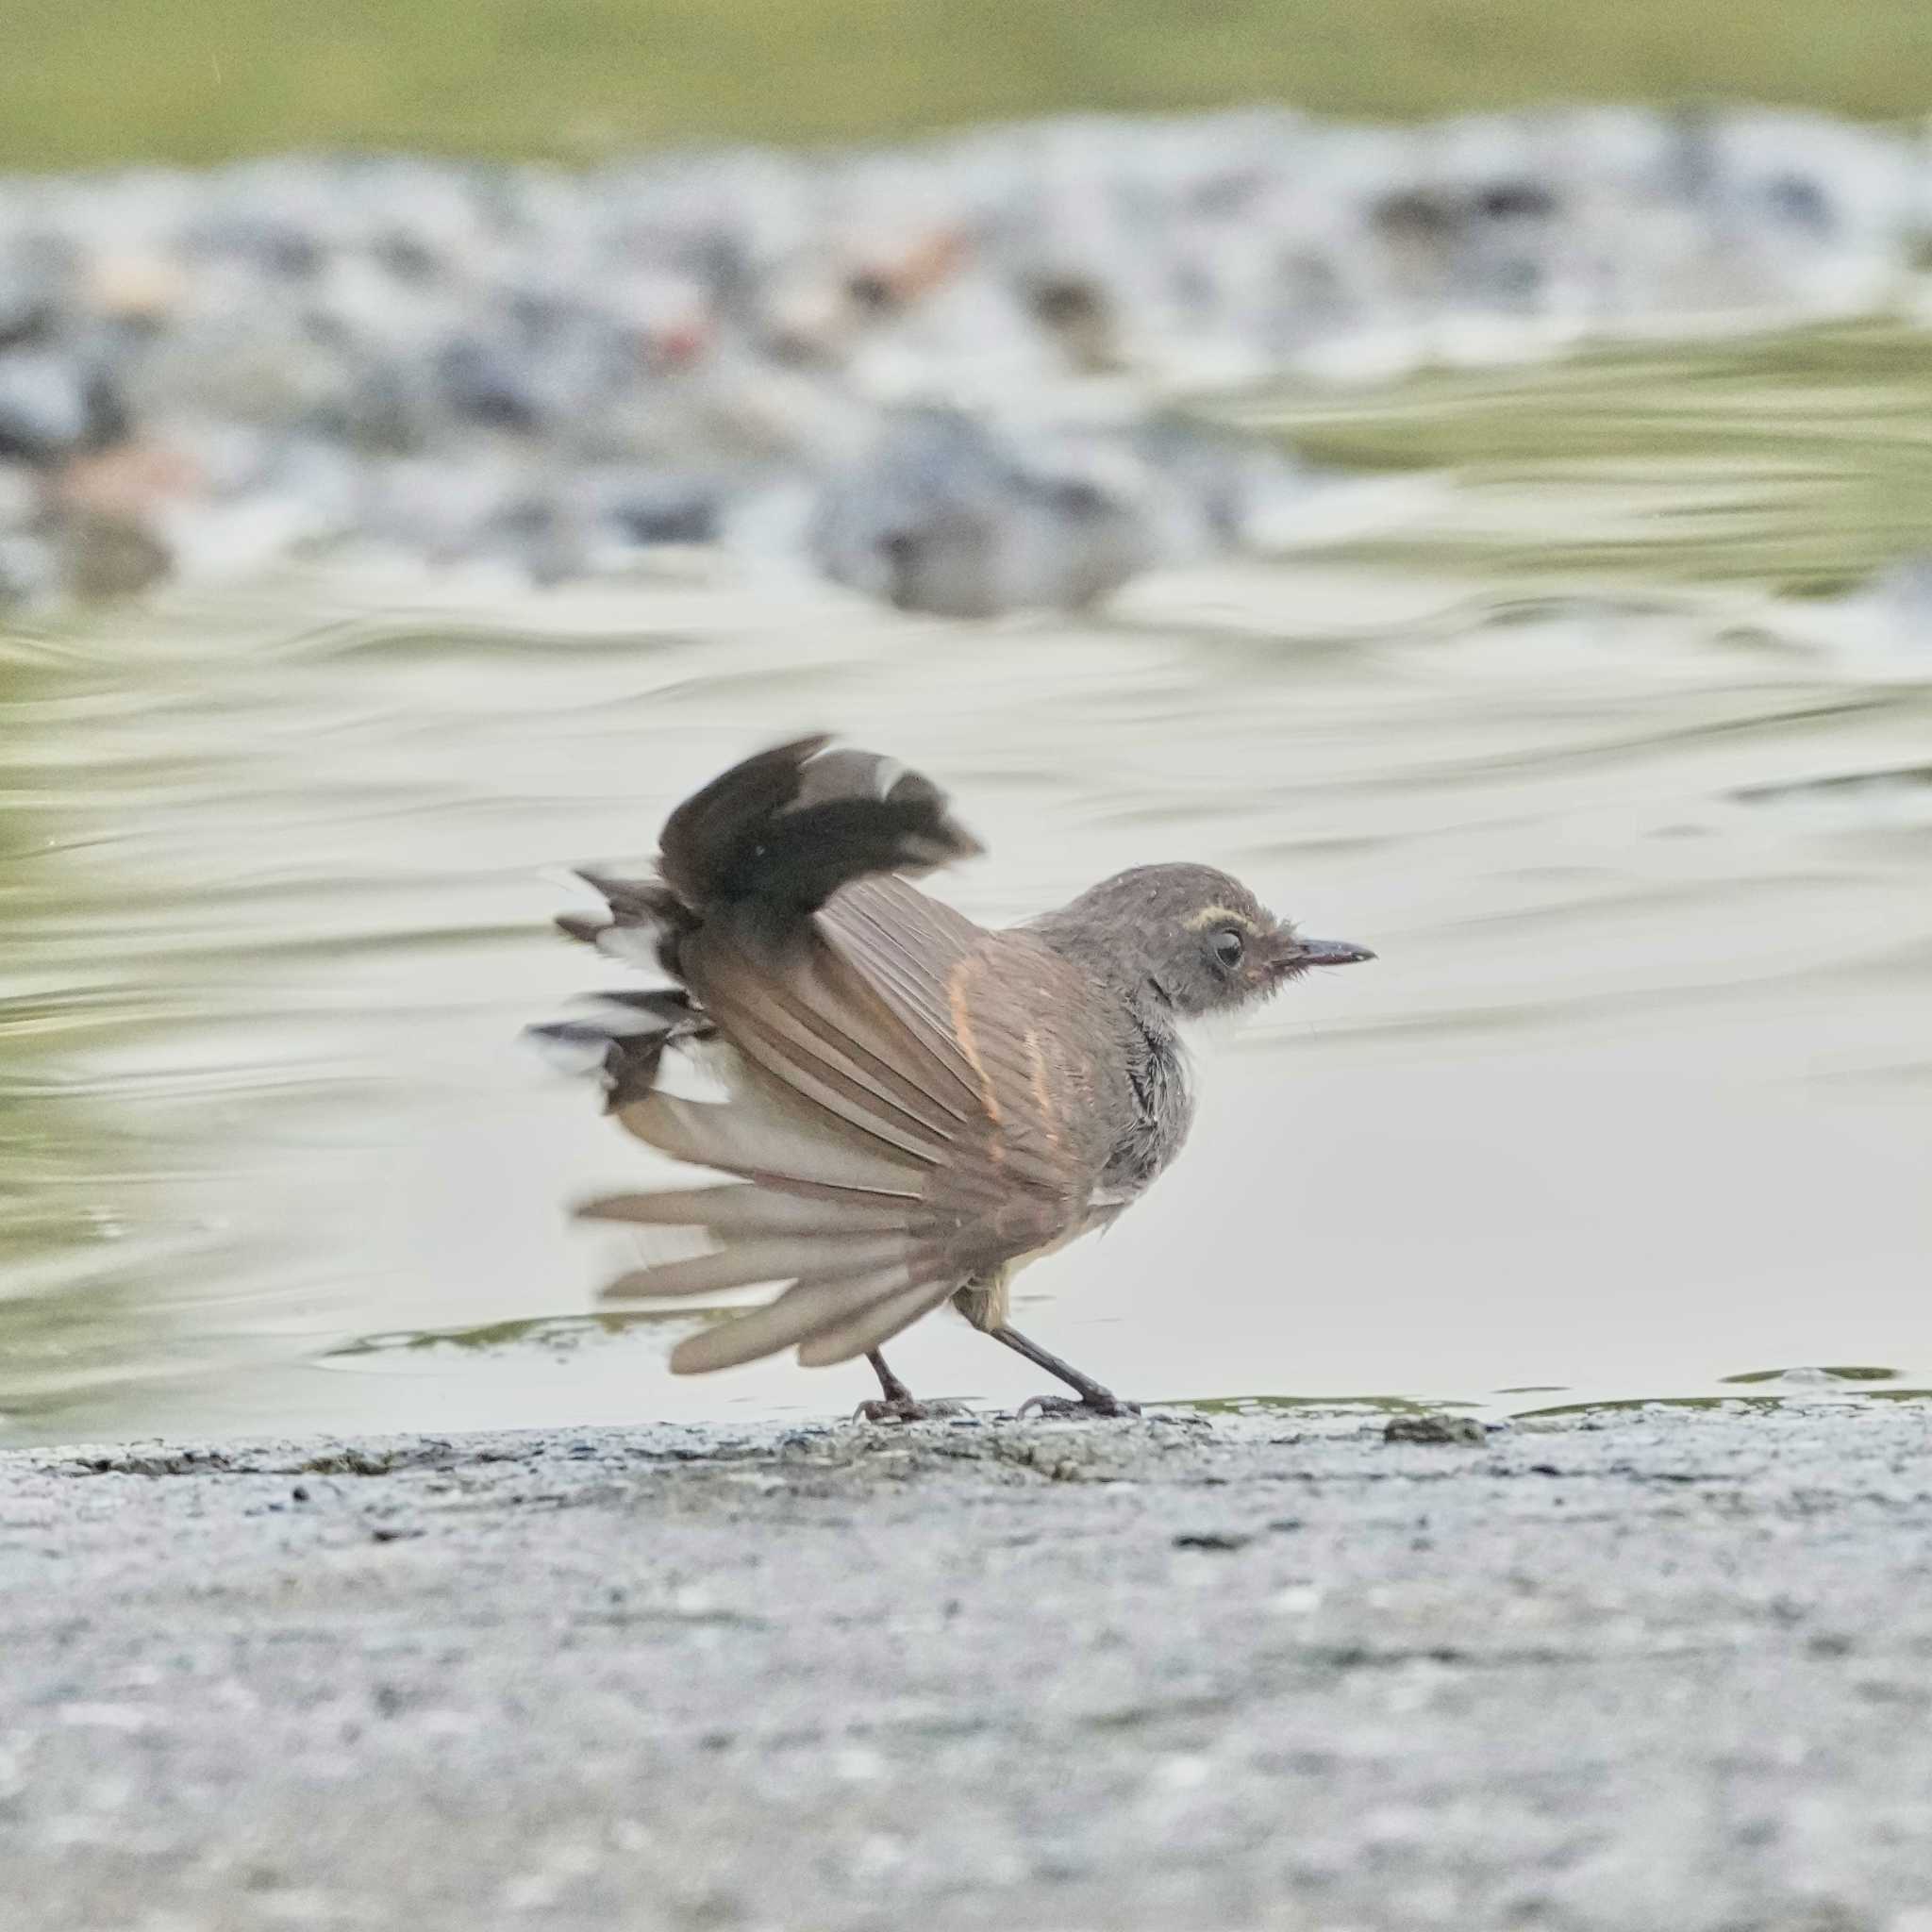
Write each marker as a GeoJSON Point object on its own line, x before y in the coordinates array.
{"type": "Point", "coordinates": [914, 1105]}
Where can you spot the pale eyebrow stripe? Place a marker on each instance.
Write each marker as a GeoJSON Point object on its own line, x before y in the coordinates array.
{"type": "Point", "coordinates": [1220, 915]}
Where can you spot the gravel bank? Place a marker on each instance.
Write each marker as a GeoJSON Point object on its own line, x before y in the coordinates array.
{"type": "Point", "coordinates": [552, 373]}
{"type": "Point", "coordinates": [1647, 1671]}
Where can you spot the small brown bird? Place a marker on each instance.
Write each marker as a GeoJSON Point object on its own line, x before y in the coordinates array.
{"type": "Point", "coordinates": [916, 1107]}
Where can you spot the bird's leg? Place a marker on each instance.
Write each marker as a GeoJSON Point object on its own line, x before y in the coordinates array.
{"type": "Point", "coordinates": [1094, 1400]}
{"type": "Point", "coordinates": [896, 1403]}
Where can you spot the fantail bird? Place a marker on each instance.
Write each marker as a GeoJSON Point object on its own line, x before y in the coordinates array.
{"type": "Point", "coordinates": [916, 1106]}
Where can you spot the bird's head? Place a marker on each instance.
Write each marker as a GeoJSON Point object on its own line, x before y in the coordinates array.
{"type": "Point", "coordinates": [1197, 936]}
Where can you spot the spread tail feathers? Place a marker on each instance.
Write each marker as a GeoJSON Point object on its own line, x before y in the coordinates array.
{"type": "Point", "coordinates": [788, 827]}
{"type": "Point", "coordinates": [777, 835]}
{"type": "Point", "coordinates": [625, 1037]}
{"type": "Point", "coordinates": [842, 1097]}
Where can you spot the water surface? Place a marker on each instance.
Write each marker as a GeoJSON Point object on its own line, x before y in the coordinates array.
{"type": "Point", "coordinates": [1564, 710]}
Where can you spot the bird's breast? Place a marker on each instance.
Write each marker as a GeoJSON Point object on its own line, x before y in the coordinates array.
{"type": "Point", "coordinates": [1163, 1111]}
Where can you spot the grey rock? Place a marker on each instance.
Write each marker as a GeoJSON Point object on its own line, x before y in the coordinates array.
{"type": "Point", "coordinates": [104, 557]}
{"type": "Point", "coordinates": [487, 383]}
{"type": "Point", "coordinates": [20, 495]}
{"type": "Point", "coordinates": [30, 569]}
{"type": "Point", "coordinates": [960, 1678]}
{"type": "Point", "coordinates": [946, 516]}
{"type": "Point", "coordinates": [1435, 1429]}
{"type": "Point", "coordinates": [642, 504]}
{"type": "Point", "coordinates": [45, 409]}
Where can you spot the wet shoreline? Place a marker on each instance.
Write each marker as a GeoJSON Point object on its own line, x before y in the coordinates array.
{"type": "Point", "coordinates": [1617, 1670]}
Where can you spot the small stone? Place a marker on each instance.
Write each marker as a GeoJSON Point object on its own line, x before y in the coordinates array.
{"type": "Point", "coordinates": [485, 383]}
{"type": "Point", "coordinates": [645, 506]}
{"type": "Point", "coordinates": [112, 557]}
{"type": "Point", "coordinates": [20, 495]}
{"type": "Point", "coordinates": [30, 569]}
{"type": "Point", "coordinates": [1435, 1428]}
{"type": "Point", "coordinates": [136, 287]}
{"type": "Point", "coordinates": [948, 516]}
{"type": "Point", "coordinates": [28, 311]}
{"type": "Point", "coordinates": [43, 405]}
{"type": "Point", "coordinates": [129, 482]}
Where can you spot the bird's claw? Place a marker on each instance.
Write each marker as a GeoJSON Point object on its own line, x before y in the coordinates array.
{"type": "Point", "coordinates": [904, 1409]}
{"type": "Point", "coordinates": [1101, 1407]}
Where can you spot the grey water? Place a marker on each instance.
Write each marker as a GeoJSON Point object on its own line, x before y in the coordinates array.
{"type": "Point", "coordinates": [1590, 706]}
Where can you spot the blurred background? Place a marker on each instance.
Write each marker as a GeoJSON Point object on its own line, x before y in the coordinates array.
{"type": "Point", "coordinates": [1465, 468]}
{"type": "Point", "coordinates": [107, 81]}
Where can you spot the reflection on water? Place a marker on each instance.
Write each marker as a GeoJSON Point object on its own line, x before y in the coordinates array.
{"type": "Point", "coordinates": [1638, 1096]}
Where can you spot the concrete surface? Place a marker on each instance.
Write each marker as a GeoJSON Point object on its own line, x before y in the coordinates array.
{"type": "Point", "coordinates": [1665, 1671]}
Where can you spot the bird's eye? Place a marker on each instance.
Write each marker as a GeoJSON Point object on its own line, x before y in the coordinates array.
{"type": "Point", "coordinates": [1228, 947]}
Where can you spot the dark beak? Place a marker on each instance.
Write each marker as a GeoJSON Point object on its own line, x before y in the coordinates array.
{"type": "Point", "coordinates": [1329, 953]}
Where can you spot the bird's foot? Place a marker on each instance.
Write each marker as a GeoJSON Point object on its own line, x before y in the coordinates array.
{"type": "Point", "coordinates": [904, 1408]}
{"type": "Point", "coordinates": [1100, 1405]}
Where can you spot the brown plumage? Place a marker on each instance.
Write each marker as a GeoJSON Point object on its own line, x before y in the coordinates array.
{"type": "Point", "coordinates": [915, 1104]}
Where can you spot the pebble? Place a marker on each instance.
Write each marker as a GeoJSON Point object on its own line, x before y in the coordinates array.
{"type": "Point", "coordinates": [941, 374]}
{"type": "Point", "coordinates": [1435, 1428]}
{"type": "Point", "coordinates": [43, 405]}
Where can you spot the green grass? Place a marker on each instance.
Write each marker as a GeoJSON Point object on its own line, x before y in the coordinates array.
{"type": "Point", "coordinates": [87, 82]}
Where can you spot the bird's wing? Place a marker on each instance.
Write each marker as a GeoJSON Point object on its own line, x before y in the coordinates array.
{"type": "Point", "coordinates": [899, 1120]}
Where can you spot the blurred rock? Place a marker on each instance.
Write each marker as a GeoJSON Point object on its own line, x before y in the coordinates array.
{"type": "Point", "coordinates": [105, 556]}
{"type": "Point", "coordinates": [21, 489]}
{"type": "Point", "coordinates": [128, 483]}
{"type": "Point", "coordinates": [1442, 1431]}
{"type": "Point", "coordinates": [137, 288]}
{"type": "Point", "coordinates": [30, 569]}
{"type": "Point", "coordinates": [945, 516]}
{"type": "Point", "coordinates": [884, 360]}
{"type": "Point", "coordinates": [640, 504]}
{"type": "Point", "coordinates": [43, 404]}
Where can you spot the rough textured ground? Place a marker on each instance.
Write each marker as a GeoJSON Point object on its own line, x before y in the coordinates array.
{"type": "Point", "coordinates": [1663, 1672]}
